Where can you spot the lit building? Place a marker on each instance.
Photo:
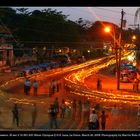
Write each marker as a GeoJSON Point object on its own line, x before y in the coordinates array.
{"type": "Point", "coordinates": [6, 49]}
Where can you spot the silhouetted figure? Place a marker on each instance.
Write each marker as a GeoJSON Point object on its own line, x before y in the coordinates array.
{"type": "Point", "coordinates": [88, 109]}
{"type": "Point", "coordinates": [103, 120]}
{"type": "Point", "coordinates": [114, 114]}
{"type": "Point", "coordinates": [28, 86]}
{"type": "Point", "coordinates": [56, 105]}
{"type": "Point", "coordinates": [74, 109]}
{"type": "Point", "coordinates": [93, 120]}
{"type": "Point", "coordinates": [57, 86]}
{"type": "Point", "coordinates": [53, 116]}
{"type": "Point", "coordinates": [135, 85]}
{"type": "Point", "coordinates": [99, 85]}
{"type": "Point", "coordinates": [15, 114]}
{"type": "Point", "coordinates": [62, 109]}
{"type": "Point", "coordinates": [67, 111]}
{"type": "Point", "coordinates": [79, 109]}
{"type": "Point", "coordinates": [25, 87]}
{"type": "Point", "coordinates": [35, 86]}
{"type": "Point", "coordinates": [138, 116]}
{"type": "Point", "coordinates": [52, 87]}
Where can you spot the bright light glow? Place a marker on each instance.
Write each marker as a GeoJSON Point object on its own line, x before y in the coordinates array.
{"type": "Point", "coordinates": [60, 50]}
{"type": "Point", "coordinates": [134, 63]}
{"type": "Point", "coordinates": [134, 37]}
{"type": "Point", "coordinates": [110, 49]}
{"type": "Point", "coordinates": [74, 50]}
{"type": "Point", "coordinates": [88, 51]}
{"type": "Point", "coordinates": [107, 29]}
{"type": "Point", "coordinates": [44, 48]}
{"type": "Point", "coordinates": [130, 57]}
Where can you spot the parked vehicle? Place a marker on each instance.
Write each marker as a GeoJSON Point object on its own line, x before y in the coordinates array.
{"type": "Point", "coordinates": [128, 77]}
{"type": "Point", "coordinates": [124, 78]}
{"type": "Point", "coordinates": [61, 59]}
{"type": "Point", "coordinates": [37, 68]}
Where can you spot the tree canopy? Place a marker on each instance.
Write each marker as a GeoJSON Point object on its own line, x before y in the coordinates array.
{"type": "Point", "coordinates": [50, 25]}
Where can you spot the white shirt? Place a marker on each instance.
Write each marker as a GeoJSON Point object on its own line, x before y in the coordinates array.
{"type": "Point", "coordinates": [93, 118]}
{"type": "Point", "coordinates": [27, 83]}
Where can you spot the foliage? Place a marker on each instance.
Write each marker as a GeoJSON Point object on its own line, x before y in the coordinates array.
{"type": "Point", "coordinates": [38, 26]}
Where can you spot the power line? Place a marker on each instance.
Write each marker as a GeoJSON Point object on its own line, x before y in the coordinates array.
{"type": "Point", "coordinates": [115, 11]}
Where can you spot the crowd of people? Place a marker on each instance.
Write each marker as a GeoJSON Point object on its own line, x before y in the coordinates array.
{"type": "Point", "coordinates": [94, 117]}
{"type": "Point", "coordinates": [28, 85]}
{"type": "Point", "coordinates": [55, 86]}
{"type": "Point", "coordinates": [17, 111]}
{"type": "Point", "coordinates": [78, 109]}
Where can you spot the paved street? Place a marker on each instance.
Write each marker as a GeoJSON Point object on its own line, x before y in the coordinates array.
{"type": "Point", "coordinates": [126, 118]}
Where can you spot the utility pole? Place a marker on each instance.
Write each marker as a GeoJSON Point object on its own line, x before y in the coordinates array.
{"type": "Point", "coordinates": [119, 47]}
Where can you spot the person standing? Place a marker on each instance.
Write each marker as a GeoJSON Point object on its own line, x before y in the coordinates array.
{"type": "Point", "coordinates": [35, 86]}
{"type": "Point", "coordinates": [80, 109]}
{"type": "Point", "coordinates": [114, 113]}
{"type": "Point", "coordinates": [137, 85]}
{"type": "Point", "coordinates": [84, 112]}
{"type": "Point", "coordinates": [34, 114]}
{"type": "Point", "coordinates": [87, 109]}
{"type": "Point", "coordinates": [15, 114]}
{"type": "Point", "coordinates": [28, 86]}
{"type": "Point", "coordinates": [20, 112]}
{"type": "Point", "coordinates": [134, 85]}
{"type": "Point", "coordinates": [98, 84]}
{"type": "Point", "coordinates": [93, 120]}
{"type": "Point", "coordinates": [25, 87]}
{"type": "Point", "coordinates": [73, 109]}
{"type": "Point", "coordinates": [53, 116]}
{"type": "Point", "coordinates": [67, 111]}
{"type": "Point", "coordinates": [138, 116]}
{"type": "Point", "coordinates": [103, 120]}
{"type": "Point", "coordinates": [56, 105]}
{"type": "Point", "coordinates": [57, 86]}
{"type": "Point", "coordinates": [52, 87]}
{"type": "Point", "coordinates": [62, 108]}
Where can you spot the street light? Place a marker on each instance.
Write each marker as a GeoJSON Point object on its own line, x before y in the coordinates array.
{"type": "Point", "coordinates": [107, 29]}
{"type": "Point", "coordinates": [111, 30]}
{"type": "Point", "coordinates": [133, 37]}
{"type": "Point", "coordinates": [88, 51]}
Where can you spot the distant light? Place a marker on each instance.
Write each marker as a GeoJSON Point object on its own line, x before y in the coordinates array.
{"type": "Point", "coordinates": [130, 57]}
{"type": "Point", "coordinates": [110, 49]}
{"type": "Point", "coordinates": [60, 50]}
{"type": "Point", "coordinates": [134, 37]}
{"type": "Point", "coordinates": [44, 48]}
{"type": "Point", "coordinates": [74, 50]}
{"type": "Point", "coordinates": [134, 64]}
{"type": "Point", "coordinates": [88, 51]}
{"type": "Point", "coordinates": [107, 29]}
